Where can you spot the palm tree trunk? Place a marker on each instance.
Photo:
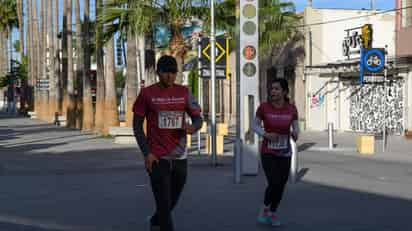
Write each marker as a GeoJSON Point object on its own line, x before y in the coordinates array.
{"type": "Point", "coordinates": [79, 67]}
{"type": "Point", "coordinates": [65, 97]}
{"type": "Point", "coordinates": [87, 95]}
{"type": "Point", "coordinates": [23, 98]}
{"type": "Point", "coordinates": [43, 115]}
{"type": "Point", "coordinates": [100, 86]}
{"type": "Point", "coordinates": [131, 78]}
{"type": "Point", "coordinates": [46, 63]}
{"type": "Point", "coordinates": [37, 60]}
{"type": "Point", "coordinates": [177, 47]}
{"type": "Point", "coordinates": [2, 54]}
{"type": "Point", "coordinates": [8, 49]}
{"type": "Point", "coordinates": [56, 58]}
{"type": "Point", "coordinates": [52, 76]}
{"type": "Point", "coordinates": [30, 56]}
{"type": "Point", "coordinates": [19, 5]}
{"type": "Point", "coordinates": [71, 114]}
{"type": "Point", "coordinates": [110, 106]}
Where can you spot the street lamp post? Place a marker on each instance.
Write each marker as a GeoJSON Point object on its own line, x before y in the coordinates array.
{"type": "Point", "coordinates": [213, 79]}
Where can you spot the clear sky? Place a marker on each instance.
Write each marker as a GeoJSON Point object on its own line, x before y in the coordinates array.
{"type": "Point", "coordinates": [348, 4]}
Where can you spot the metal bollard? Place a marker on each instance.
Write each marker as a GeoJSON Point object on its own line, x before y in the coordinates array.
{"type": "Point", "coordinates": [294, 162]}
{"type": "Point", "coordinates": [330, 135]}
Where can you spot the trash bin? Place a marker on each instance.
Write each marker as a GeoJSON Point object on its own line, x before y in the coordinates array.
{"type": "Point", "coordinates": [365, 144]}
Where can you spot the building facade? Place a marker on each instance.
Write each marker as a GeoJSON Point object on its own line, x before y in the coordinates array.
{"type": "Point", "coordinates": [333, 39]}
{"type": "Point", "coordinates": [404, 52]}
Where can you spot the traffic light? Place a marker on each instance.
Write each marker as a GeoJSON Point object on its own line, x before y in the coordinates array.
{"type": "Point", "coordinates": [367, 36]}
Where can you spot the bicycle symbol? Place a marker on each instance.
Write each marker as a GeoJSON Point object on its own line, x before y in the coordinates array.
{"type": "Point", "coordinates": [374, 60]}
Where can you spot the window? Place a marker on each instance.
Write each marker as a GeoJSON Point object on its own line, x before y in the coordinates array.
{"type": "Point", "coordinates": [407, 13]}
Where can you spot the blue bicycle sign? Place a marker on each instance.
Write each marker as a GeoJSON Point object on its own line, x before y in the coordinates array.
{"type": "Point", "coordinates": [374, 60]}
{"type": "Point", "coordinates": [372, 65]}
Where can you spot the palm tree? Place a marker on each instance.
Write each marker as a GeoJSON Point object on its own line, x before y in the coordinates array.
{"type": "Point", "coordinates": [277, 24]}
{"type": "Point", "coordinates": [100, 89]}
{"type": "Point", "coordinates": [44, 104]}
{"type": "Point", "coordinates": [53, 106]}
{"type": "Point", "coordinates": [71, 114]}
{"type": "Point", "coordinates": [36, 57]}
{"type": "Point", "coordinates": [56, 57]}
{"type": "Point", "coordinates": [132, 23]}
{"type": "Point", "coordinates": [110, 106]}
{"type": "Point", "coordinates": [8, 20]}
{"type": "Point", "coordinates": [64, 72]}
{"type": "Point", "coordinates": [30, 55]}
{"type": "Point", "coordinates": [19, 7]}
{"type": "Point", "coordinates": [87, 95]}
{"type": "Point", "coordinates": [79, 65]}
{"type": "Point", "coordinates": [24, 83]}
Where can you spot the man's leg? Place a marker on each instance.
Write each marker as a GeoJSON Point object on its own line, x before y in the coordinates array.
{"type": "Point", "coordinates": [160, 179]}
{"type": "Point", "coordinates": [179, 174]}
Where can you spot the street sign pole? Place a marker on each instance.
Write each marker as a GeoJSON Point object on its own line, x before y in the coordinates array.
{"type": "Point", "coordinates": [384, 103]}
{"type": "Point", "coordinates": [199, 80]}
{"type": "Point", "coordinates": [213, 79]}
{"type": "Point", "coordinates": [238, 144]}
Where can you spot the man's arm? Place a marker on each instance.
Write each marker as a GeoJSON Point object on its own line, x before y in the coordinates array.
{"type": "Point", "coordinates": [193, 109]}
{"type": "Point", "coordinates": [139, 134]}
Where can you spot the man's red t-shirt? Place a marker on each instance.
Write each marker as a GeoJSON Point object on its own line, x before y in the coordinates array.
{"type": "Point", "coordinates": [164, 109]}
{"type": "Point", "coordinates": [277, 120]}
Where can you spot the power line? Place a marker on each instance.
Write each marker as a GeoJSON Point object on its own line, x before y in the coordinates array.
{"type": "Point", "coordinates": [355, 17]}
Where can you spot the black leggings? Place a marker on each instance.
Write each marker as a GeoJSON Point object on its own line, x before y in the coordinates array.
{"type": "Point", "coordinates": [277, 172]}
{"type": "Point", "coordinates": [167, 180]}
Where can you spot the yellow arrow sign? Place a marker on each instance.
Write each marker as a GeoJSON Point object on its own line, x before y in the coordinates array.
{"type": "Point", "coordinates": [205, 52]}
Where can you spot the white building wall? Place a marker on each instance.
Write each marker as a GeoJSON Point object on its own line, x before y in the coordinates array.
{"type": "Point", "coordinates": [408, 102]}
{"type": "Point", "coordinates": [333, 33]}
{"type": "Point", "coordinates": [326, 43]}
{"type": "Point", "coordinates": [344, 101]}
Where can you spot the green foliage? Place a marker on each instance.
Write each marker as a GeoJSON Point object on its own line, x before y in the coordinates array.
{"type": "Point", "coordinates": [8, 15]}
{"type": "Point", "coordinates": [194, 82]}
{"type": "Point", "coordinates": [16, 45]}
{"type": "Point", "coordinates": [21, 74]}
{"type": "Point", "coordinates": [120, 79]}
{"type": "Point", "coordinates": [22, 71]}
{"type": "Point", "coordinates": [3, 81]}
{"type": "Point", "coordinates": [277, 24]}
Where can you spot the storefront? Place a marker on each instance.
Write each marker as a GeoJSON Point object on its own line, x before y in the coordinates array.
{"type": "Point", "coordinates": [336, 96]}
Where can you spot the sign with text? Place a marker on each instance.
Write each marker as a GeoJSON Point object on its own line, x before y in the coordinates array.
{"type": "Point", "coordinates": [222, 58]}
{"type": "Point", "coordinates": [356, 39]}
{"type": "Point", "coordinates": [372, 65]}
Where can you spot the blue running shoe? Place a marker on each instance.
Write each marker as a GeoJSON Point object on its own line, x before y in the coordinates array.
{"type": "Point", "coordinates": [264, 216]}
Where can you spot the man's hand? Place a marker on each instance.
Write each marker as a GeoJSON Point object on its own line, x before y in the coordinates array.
{"type": "Point", "coordinates": [271, 136]}
{"type": "Point", "coordinates": [149, 160]}
{"type": "Point", "coordinates": [295, 136]}
{"type": "Point", "coordinates": [190, 129]}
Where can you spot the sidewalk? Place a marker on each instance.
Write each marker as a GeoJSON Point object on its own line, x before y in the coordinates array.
{"type": "Point", "coordinates": [398, 147]}
{"type": "Point", "coordinates": [59, 179]}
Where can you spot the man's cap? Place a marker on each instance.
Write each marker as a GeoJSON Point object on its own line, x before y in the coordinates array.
{"type": "Point", "coordinates": [167, 63]}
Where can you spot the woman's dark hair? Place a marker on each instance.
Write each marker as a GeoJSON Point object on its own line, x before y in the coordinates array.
{"type": "Point", "coordinates": [284, 85]}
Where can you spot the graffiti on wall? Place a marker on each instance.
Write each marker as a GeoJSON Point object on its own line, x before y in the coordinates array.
{"type": "Point", "coordinates": [367, 107]}
{"type": "Point", "coordinates": [317, 100]}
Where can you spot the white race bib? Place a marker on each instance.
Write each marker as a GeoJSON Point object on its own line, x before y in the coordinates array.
{"type": "Point", "coordinates": [170, 119]}
{"type": "Point", "coordinates": [281, 143]}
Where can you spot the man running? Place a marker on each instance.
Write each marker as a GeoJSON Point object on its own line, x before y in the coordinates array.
{"type": "Point", "coordinates": [164, 106]}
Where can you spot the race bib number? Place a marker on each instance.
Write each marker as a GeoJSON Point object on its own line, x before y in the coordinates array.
{"type": "Point", "coordinates": [281, 143]}
{"type": "Point", "coordinates": [170, 119]}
